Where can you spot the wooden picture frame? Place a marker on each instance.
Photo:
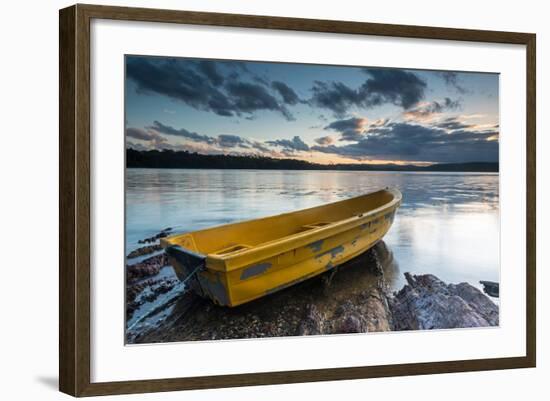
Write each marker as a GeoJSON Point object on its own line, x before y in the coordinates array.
{"type": "Point", "coordinates": [75, 207]}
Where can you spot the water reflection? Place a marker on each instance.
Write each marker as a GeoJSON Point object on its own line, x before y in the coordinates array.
{"type": "Point", "coordinates": [448, 224]}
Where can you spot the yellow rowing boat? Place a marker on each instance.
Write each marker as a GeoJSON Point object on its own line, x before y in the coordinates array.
{"type": "Point", "coordinates": [236, 263]}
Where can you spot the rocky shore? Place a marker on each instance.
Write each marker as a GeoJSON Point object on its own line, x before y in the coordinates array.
{"type": "Point", "coordinates": [353, 298]}
{"type": "Point", "coordinates": [163, 233]}
{"type": "Point", "coordinates": [143, 284]}
{"type": "Point", "coordinates": [146, 268]}
{"type": "Point", "coordinates": [426, 302]}
{"type": "Point", "coordinates": [144, 250]}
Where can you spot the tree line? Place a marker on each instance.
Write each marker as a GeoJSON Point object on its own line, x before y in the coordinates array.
{"type": "Point", "coordinates": [185, 159]}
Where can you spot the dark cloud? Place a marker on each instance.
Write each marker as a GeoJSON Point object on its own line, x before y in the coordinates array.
{"type": "Point", "coordinates": [335, 96]}
{"type": "Point", "coordinates": [413, 142]}
{"type": "Point", "coordinates": [399, 87]}
{"type": "Point", "coordinates": [286, 92]}
{"type": "Point", "coordinates": [451, 79]}
{"type": "Point", "coordinates": [379, 122]}
{"type": "Point", "coordinates": [209, 69]}
{"type": "Point", "coordinates": [178, 79]}
{"type": "Point", "coordinates": [428, 110]}
{"type": "Point", "coordinates": [351, 129]}
{"type": "Point", "coordinates": [201, 85]}
{"type": "Point", "coordinates": [294, 144]}
{"type": "Point", "coordinates": [248, 97]}
{"type": "Point", "coordinates": [260, 146]}
{"type": "Point", "coordinates": [230, 141]}
{"type": "Point", "coordinates": [240, 66]}
{"type": "Point", "coordinates": [452, 123]}
{"type": "Point", "coordinates": [182, 132]}
{"type": "Point", "coordinates": [261, 80]}
{"type": "Point", "coordinates": [223, 141]}
{"type": "Point", "coordinates": [139, 133]}
{"type": "Point", "coordinates": [147, 135]}
{"type": "Point", "coordinates": [324, 140]}
{"type": "Point", "coordinates": [448, 104]}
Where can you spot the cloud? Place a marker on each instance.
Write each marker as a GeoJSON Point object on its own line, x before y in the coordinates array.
{"type": "Point", "coordinates": [335, 96]}
{"type": "Point", "coordinates": [202, 85]}
{"type": "Point", "coordinates": [286, 92]}
{"type": "Point", "coordinates": [449, 140]}
{"type": "Point", "coordinates": [247, 98]}
{"type": "Point", "coordinates": [146, 135]}
{"type": "Point", "coordinates": [398, 87]}
{"type": "Point", "coordinates": [427, 111]}
{"type": "Point", "coordinates": [136, 146]}
{"type": "Point", "coordinates": [294, 144]}
{"type": "Point", "coordinates": [230, 141]}
{"type": "Point", "coordinates": [463, 123]}
{"type": "Point", "coordinates": [139, 133]}
{"type": "Point", "coordinates": [222, 140]}
{"type": "Point", "coordinates": [261, 147]}
{"type": "Point", "coordinates": [379, 122]}
{"type": "Point", "coordinates": [451, 79]}
{"type": "Point", "coordinates": [325, 140]}
{"type": "Point", "coordinates": [177, 79]}
{"type": "Point", "coordinates": [182, 132]}
{"type": "Point", "coordinates": [351, 129]}
{"type": "Point", "coordinates": [414, 142]}
{"type": "Point", "coordinates": [210, 70]}
{"type": "Point", "coordinates": [453, 123]}
{"type": "Point", "coordinates": [218, 144]}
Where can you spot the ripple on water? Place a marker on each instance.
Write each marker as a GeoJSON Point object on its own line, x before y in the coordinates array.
{"type": "Point", "coordinates": [448, 224]}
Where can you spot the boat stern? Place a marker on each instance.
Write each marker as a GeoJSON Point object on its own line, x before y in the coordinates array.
{"type": "Point", "coordinates": [190, 268]}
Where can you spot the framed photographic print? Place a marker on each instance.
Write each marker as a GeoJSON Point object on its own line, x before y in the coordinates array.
{"type": "Point", "coordinates": [250, 200]}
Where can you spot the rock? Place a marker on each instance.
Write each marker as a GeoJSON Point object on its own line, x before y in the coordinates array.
{"type": "Point", "coordinates": [154, 288]}
{"type": "Point", "coordinates": [146, 268]}
{"type": "Point", "coordinates": [479, 302]}
{"type": "Point", "coordinates": [377, 313]}
{"type": "Point", "coordinates": [353, 300]}
{"type": "Point", "coordinates": [351, 324]}
{"type": "Point", "coordinates": [426, 302]}
{"type": "Point", "coordinates": [144, 250]}
{"type": "Point", "coordinates": [490, 288]}
{"type": "Point", "coordinates": [156, 237]}
{"type": "Point", "coordinates": [312, 322]}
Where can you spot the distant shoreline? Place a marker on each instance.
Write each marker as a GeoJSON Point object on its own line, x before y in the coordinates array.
{"type": "Point", "coordinates": [185, 160]}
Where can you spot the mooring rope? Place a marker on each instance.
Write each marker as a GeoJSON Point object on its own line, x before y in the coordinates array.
{"type": "Point", "coordinates": [197, 268]}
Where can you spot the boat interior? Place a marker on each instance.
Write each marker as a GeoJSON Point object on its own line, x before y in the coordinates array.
{"type": "Point", "coordinates": [236, 237]}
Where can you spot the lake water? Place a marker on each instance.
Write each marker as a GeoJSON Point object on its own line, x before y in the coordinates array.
{"type": "Point", "coordinates": [448, 224]}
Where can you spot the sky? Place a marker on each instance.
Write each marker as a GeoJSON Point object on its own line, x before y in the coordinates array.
{"type": "Point", "coordinates": [318, 113]}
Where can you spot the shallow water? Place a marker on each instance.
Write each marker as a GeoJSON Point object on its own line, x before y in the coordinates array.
{"type": "Point", "coordinates": [448, 224]}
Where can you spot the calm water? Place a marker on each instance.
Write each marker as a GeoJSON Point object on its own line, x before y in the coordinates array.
{"type": "Point", "coordinates": [448, 224]}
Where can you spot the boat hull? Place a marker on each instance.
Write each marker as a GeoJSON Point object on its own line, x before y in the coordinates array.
{"type": "Point", "coordinates": [248, 274]}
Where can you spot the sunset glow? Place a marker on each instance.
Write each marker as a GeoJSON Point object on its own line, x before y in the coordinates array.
{"type": "Point", "coordinates": [321, 114]}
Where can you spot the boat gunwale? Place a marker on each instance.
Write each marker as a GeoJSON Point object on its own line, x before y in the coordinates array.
{"type": "Point", "coordinates": [285, 244]}
{"type": "Point", "coordinates": [277, 246]}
